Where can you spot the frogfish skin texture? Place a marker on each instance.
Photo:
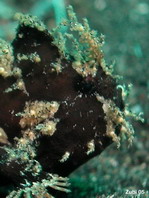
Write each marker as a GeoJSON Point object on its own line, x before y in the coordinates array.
{"type": "Point", "coordinates": [60, 106]}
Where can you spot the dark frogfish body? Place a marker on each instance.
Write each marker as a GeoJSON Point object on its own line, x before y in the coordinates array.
{"type": "Point", "coordinates": [59, 106]}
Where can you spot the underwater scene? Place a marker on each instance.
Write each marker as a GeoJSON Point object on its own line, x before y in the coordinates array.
{"type": "Point", "coordinates": [74, 99]}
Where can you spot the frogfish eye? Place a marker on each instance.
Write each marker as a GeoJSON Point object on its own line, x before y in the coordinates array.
{"type": "Point", "coordinates": [84, 85]}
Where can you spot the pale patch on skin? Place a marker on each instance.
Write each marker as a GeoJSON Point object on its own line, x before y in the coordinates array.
{"type": "Point", "coordinates": [33, 57]}
{"type": "Point", "coordinates": [36, 112]}
{"type": "Point", "coordinates": [65, 157]}
{"type": "Point", "coordinates": [38, 119]}
{"type": "Point", "coordinates": [47, 128]}
{"type": "Point", "coordinates": [29, 20]}
{"type": "Point", "coordinates": [114, 115]}
{"type": "Point", "coordinates": [57, 66]}
{"type": "Point", "coordinates": [7, 69]}
{"type": "Point", "coordinates": [17, 72]}
{"type": "Point", "coordinates": [20, 85]}
{"type": "Point", "coordinates": [6, 59]}
{"type": "Point", "coordinates": [91, 147]}
{"type": "Point", "coordinates": [3, 137]}
{"type": "Point", "coordinates": [29, 134]}
{"type": "Point", "coordinates": [86, 69]}
{"type": "Point", "coordinates": [54, 181]}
